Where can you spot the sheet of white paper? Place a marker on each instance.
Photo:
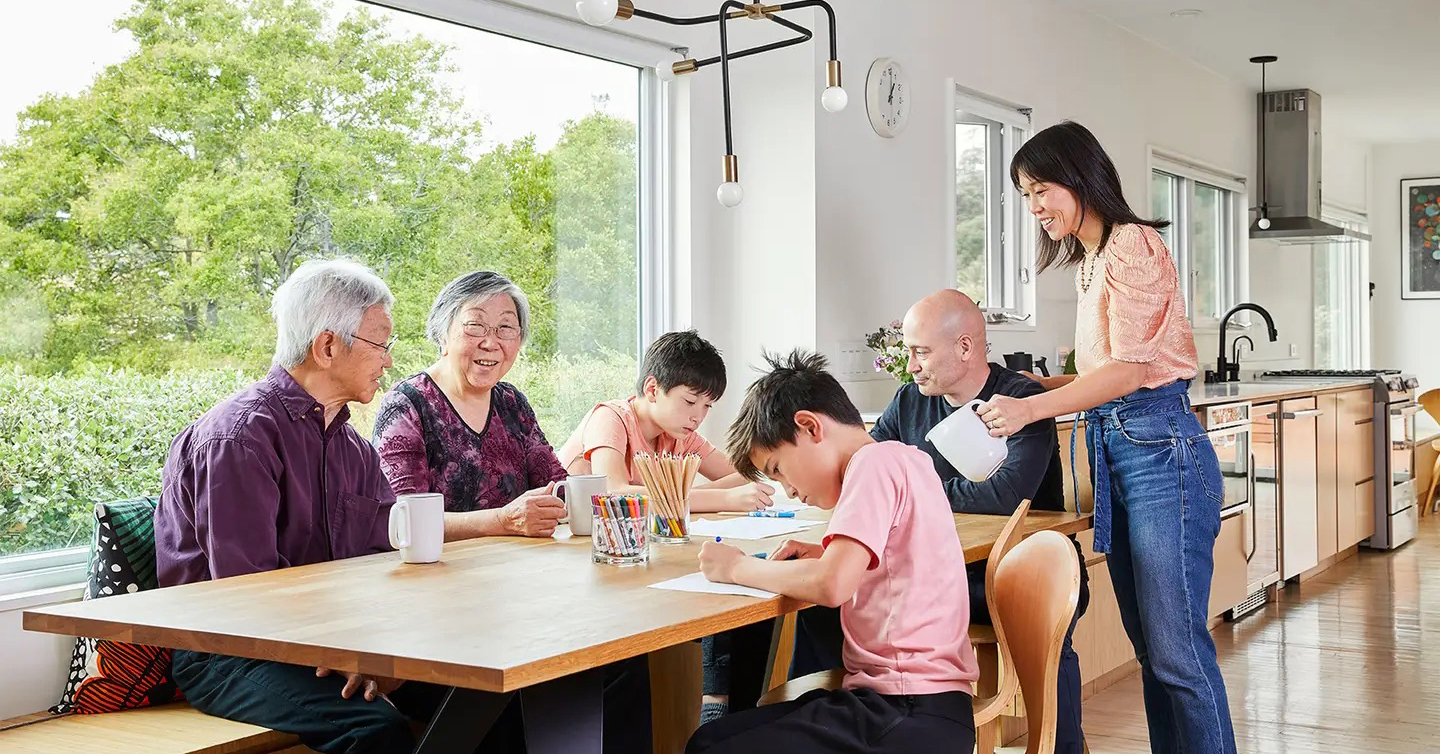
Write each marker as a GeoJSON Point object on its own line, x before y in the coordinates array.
{"type": "Point", "coordinates": [696, 582]}
{"type": "Point", "coordinates": [745, 527]}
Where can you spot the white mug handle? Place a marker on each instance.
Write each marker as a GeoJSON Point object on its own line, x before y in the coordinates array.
{"type": "Point", "coordinates": [400, 525]}
{"type": "Point", "coordinates": [564, 485]}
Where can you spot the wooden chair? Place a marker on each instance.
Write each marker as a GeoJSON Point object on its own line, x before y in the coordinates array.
{"type": "Point", "coordinates": [1431, 401]}
{"type": "Point", "coordinates": [987, 709]}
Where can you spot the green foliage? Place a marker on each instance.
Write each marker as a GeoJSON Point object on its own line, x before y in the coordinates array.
{"type": "Point", "coordinates": [69, 442]}
{"type": "Point", "coordinates": [146, 221]}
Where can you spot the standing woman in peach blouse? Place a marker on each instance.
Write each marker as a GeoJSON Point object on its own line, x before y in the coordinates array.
{"type": "Point", "coordinates": [1156, 477]}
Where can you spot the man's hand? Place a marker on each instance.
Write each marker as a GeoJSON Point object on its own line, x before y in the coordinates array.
{"type": "Point", "coordinates": [534, 514]}
{"type": "Point", "coordinates": [373, 687]}
{"type": "Point", "coordinates": [717, 561]}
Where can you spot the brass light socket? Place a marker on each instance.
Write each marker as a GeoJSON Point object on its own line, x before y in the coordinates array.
{"type": "Point", "coordinates": [682, 67]}
{"type": "Point", "coordinates": [732, 168]}
{"type": "Point", "coordinates": [832, 73]}
{"type": "Point", "coordinates": [626, 9]}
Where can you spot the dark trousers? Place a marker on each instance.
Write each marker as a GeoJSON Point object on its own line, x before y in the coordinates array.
{"type": "Point", "coordinates": [818, 640]}
{"type": "Point", "coordinates": [290, 699]}
{"type": "Point", "coordinates": [734, 663]}
{"type": "Point", "coordinates": [844, 720]}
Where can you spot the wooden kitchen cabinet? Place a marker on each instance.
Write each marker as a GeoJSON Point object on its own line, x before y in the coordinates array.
{"type": "Point", "coordinates": [1299, 527]}
{"type": "Point", "coordinates": [1365, 509]}
{"type": "Point", "coordinates": [1086, 503]}
{"type": "Point", "coordinates": [1327, 485]}
{"type": "Point", "coordinates": [1354, 464]}
{"type": "Point", "coordinates": [1229, 580]}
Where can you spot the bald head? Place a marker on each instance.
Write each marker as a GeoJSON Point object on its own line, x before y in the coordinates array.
{"type": "Point", "coordinates": [944, 334]}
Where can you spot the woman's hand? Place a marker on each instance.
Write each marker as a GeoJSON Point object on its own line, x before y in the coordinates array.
{"type": "Point", "coordinates": [1005, 416]}
{"type": "Point", "coordinates": [1050, 383]}
{"type": "Point", "coordinates": [792, 550]}
{"type": "Point", "coordinates": [754, 496]}
{"type": "Point", "coordinates": [717, 561]}
{"type": "Point", "coordinates": [534, 514]}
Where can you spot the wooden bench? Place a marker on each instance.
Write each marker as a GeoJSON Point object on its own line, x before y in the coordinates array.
{"type": "Point", "coordinates": [169, 729]}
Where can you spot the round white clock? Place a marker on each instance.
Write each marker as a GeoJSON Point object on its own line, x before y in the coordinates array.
{"type": "Point", "coordinates": [887, 97]}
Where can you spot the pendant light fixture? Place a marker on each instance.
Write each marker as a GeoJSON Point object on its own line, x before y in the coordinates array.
{"type": "Point", "coordinates": [833, 98]}
{"type": "Point", "coordinates": [1262, 212]}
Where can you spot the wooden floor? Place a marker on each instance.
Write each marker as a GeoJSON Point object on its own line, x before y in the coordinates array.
{"type": "Point", "coordinates": [1335, 666]}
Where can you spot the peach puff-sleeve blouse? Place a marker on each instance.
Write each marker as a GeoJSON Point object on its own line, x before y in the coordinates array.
{"type": "Point", "coordinates": [1131, 308]}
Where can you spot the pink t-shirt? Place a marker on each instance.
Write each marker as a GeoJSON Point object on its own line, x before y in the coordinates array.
{"type": "Point", "coordinates": [612, 424]}
{"type": "Point", "coordinates": [906, 629]}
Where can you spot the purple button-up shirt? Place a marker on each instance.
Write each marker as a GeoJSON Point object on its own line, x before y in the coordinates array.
{"type": "Point", "coordinates": [260, 483]}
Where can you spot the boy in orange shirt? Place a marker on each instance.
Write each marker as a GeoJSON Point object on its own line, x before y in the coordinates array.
{"type": "Point", "coordinates": [908, 660]}
{"type": "Point", "coordinates": [681, 378]}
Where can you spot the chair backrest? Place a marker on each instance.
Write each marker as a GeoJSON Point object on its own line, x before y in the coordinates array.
{"type": "Point", "coordinates": [1036, 588]}
{"type": "Point", "coordinates": [1430, 400]}
{"type": "Point", "coordinates": [989, 709]}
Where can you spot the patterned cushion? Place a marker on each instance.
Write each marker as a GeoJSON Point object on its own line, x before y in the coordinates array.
{"type": "Point", "coordinates": [106, 676]}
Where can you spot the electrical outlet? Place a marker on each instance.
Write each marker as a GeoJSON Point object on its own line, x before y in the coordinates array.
{"type": "Point", "coordinates": [1294, 350]}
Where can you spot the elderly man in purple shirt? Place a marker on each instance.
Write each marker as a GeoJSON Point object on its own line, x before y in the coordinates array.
{"type": "Point", "coordinates": [273, 477]}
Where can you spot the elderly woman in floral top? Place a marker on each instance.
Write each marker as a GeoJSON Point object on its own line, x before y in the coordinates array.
{"type": "Point", "coordinates": [456, 429]}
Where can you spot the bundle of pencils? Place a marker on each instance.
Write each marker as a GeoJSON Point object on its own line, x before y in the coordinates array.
{"type": "Point", "coordinates": [619, 529]}
{"type": "Point", "coordinates": [668, 476]}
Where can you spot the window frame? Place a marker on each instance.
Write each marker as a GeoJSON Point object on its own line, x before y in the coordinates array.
{"type": "Point", "coordinates": [1234, 262]}
{"type": "Point", "coordinates": [35, 572]}
{"type": "Point", "coordinates": [1010, 246]}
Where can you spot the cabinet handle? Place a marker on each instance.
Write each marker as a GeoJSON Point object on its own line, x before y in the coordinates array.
{"type": "Point", "coordinates": [1308, 414]}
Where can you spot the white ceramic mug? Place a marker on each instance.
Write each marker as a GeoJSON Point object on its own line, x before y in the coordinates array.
{"type": "Point", "coordinates": [579, 489]}
{"type": "Point", "coordinates": [964, 440]}
{"type": "Point", "coordinates": [417, 526]}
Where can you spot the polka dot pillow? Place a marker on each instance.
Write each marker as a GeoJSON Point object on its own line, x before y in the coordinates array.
{"type": "Point", "coordinates": [106, 676]}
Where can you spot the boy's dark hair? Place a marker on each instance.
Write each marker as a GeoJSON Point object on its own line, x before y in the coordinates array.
{"type": "Point", "coordinates": [796, 382]}
{"type": "Point", "coordinates": [684, 358]}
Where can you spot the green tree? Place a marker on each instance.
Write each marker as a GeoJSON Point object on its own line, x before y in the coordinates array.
{"type": "Point", "coordinates": [970, 229]}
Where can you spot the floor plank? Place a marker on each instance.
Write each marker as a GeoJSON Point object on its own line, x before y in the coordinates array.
{"type": "Point", "coordinates": [1334, 666]}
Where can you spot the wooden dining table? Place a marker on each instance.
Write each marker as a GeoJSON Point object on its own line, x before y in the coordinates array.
{"type": "Point", "coordinates": [494, 617]}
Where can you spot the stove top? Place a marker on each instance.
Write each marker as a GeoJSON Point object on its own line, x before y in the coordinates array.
{"type": "Point", "coordinates": [1328, 373]}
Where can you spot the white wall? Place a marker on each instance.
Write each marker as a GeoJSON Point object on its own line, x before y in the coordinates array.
{"type": "Point", "coordinates": [1403, 331]}
{"type": "Point", "coordinates": [35, 664]}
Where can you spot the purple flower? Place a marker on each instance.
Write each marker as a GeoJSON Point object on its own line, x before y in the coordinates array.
{"type": "Point", "coordinates": [895, 324]}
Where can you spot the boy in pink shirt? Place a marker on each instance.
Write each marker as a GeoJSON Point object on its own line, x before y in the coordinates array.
{"type": "Point", "coordinates": [681, 378]}
{"type": "Point", "coordinates": [891, 548]}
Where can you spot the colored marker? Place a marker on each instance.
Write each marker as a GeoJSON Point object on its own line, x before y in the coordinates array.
{"type": "Point", "coordinates": [771, 514]}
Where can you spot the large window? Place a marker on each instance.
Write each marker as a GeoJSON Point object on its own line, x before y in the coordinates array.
{"type": "Point", "coordinates": [1342, 297]}
{"type": "Point", "coordinates": [992, 258]}
{"type": "Point", "coordinates": [155, 191]}
{"type": "Point", "coordinates": [1206, 212]}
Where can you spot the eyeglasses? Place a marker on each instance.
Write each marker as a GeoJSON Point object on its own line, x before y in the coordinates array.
{"type": "Point", "coordinates": [479, 330]}
{"type": "Point", "coordinates": [386, 346]}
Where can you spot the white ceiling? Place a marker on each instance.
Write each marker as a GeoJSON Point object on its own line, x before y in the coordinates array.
{"type": "Point", "coordinates": [1375, 63]}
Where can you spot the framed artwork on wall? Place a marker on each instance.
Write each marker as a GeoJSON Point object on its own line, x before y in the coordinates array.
{"type": "Point", "coordinates": [1420, 238]}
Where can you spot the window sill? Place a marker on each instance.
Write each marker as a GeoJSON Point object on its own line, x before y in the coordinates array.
{"type": "Point", "coordinates": [42, 597]}
{"type": "Point", "coordinates": [1026, 326]}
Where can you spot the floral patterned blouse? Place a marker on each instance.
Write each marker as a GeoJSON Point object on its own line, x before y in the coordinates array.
{"type": "Point", "coordinates": [425, 446]}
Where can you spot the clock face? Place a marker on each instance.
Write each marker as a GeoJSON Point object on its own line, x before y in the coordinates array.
{"type": "Point", "coordinates": [887, 97]}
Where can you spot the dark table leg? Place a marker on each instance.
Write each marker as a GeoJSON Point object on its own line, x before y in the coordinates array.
{"type": "Point", "coordinates": [564, 716]}
{"type": "Point", "coordinates": [461, 722]}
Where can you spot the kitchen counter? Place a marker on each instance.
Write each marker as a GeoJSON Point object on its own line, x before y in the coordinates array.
{"type": "Point", "coordinates": [1259, 391]}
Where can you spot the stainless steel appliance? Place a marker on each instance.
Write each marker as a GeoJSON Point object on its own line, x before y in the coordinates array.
{"type": "Point", "coordinates": [1396, 510]}
{"type": "Point", "coordinates": [1230, 428]}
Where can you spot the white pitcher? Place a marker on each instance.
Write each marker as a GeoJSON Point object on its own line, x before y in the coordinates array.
{"type": "Point", "coordinates": [964, 440]}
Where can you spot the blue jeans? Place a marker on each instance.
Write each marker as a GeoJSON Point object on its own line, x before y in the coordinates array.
{"type": "Point", "coordinates": [1157, 501]}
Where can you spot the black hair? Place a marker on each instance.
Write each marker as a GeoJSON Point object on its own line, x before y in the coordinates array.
{"type": "Point", "coordinates": [796, 382]}
{"type": "Point", "coordinates": [684, 358]}
{"type": "Point", "coordinates": [1069, 155]}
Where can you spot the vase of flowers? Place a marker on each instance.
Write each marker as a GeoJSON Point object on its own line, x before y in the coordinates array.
{"type": "Point", "coordinates": [890, 354]}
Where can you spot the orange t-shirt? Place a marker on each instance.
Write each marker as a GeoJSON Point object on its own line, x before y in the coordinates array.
{"type": "Point", "coordinates": [612, 424]}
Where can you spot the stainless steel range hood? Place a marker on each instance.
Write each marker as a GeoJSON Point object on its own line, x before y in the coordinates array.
{"type": "Point", "coordinates": [1289, 126]}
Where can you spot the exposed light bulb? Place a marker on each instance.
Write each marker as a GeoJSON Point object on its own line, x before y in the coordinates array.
{"type": "Point", "coordinates": [597, 12]}
{"type": "Point", "coordinates": [730, 193]}
{"type": "Point", "coordinates": [1263, 223]}
{"type": "Point", "coordinates": [665, 70]}
{"type": "Point", "coordinates": [834, 99]}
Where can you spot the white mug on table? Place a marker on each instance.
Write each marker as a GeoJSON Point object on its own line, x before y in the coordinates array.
{"type": "Point", "coordinates": [417, 526]}
{"type": "Point", "coordinates": [578, 490]}
{"type": "Point", "coordinates": [964, 440]}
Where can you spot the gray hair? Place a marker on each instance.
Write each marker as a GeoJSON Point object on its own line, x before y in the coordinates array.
{"type": "Point", "coordinates": [321, 295]}
{"type": "Point", "coordinates": [468, 290]}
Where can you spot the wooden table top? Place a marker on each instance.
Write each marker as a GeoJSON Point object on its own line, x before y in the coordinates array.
{"type": "Point", "coordinates": [495, 614]}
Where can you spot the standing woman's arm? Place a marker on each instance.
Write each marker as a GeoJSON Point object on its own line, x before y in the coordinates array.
{"type": "Point", "coordinates": [1140, 281]}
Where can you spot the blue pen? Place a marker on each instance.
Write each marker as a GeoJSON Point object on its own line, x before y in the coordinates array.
{"type": "Point", "coordinates": [771, 514]}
